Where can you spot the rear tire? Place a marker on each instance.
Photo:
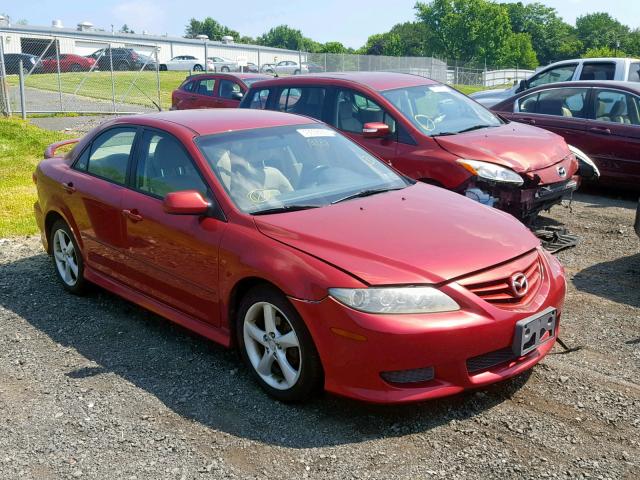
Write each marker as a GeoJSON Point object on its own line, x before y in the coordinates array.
{"type": "Point", "coordinates": [76, 68]}
{"type": "Point", "coordinates": [163, 68]}
{"type": "Point", "coordinates": [277, 347]}
{"type": "Point", "coordinates": [296, 72]}
{"type": "Point", "coordinates": [225, 69]}
{"type": "Point", "coordinates": [122, 67]}
{"type": "Point", "coordinates": [67, 258]}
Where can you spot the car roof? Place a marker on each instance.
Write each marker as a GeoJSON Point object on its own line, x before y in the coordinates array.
{"type": "Point", "coordinates": [630, 86]}
{"type": "Point", "coordinates": [374, 80]}
{"type": "Point", "coordinates": [240, 76]}
{"type": "Point", "coordinates": [217, 120]}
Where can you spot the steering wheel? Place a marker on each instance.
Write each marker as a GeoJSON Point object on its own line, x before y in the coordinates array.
{"type": "Point", "coordinates": [425, 122]}
{"type": "Point", "coordinates": [312, 176]}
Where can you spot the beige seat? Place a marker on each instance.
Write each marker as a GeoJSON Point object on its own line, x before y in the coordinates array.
{"type": "Point", "coordinates": [601, 112]}
{"type": "Point", "coordinates": [618, 112]}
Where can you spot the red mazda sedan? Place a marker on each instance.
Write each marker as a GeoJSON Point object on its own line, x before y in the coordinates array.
{"type": "Point", "coordinates": [276, 234]}
{"type": "Point", "coordinates": [434, 134]}
{"type": "Point", "coordinates": [68, 63]}
{"type": "Point", "coordinates": [213, 90]}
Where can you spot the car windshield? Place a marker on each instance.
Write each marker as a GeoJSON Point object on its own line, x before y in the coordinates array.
{"type": "Point", "coordinates": [440, 110]}
{"type": "Point", "coordinates": [289, 168]}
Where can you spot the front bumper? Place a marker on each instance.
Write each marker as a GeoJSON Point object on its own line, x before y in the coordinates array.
{"type": "Point", "coordinates": [356, 348]}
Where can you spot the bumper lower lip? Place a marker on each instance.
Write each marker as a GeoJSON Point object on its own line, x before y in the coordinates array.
{"type": "Point", "coordinates": [444, 342]}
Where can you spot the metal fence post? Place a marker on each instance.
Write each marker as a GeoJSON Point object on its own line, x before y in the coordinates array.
{"type": "Point", "coordinates": [57, 45]}
{"type": "Point", "coordinates": [158, 76]}
{"type": "Point", "coordinates": [113, 83]}
{"type": "Point", "coordinates": [23, 103]}
{"type": "Point", "coordinates": [4, 90]}
{"type": "Point", "coordinates": [300, 60]}
{"type": "Point", "coordinates": [206, 55]}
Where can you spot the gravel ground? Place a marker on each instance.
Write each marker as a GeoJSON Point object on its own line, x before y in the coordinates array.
{"type": "Point", "coordinates": [96, 387]}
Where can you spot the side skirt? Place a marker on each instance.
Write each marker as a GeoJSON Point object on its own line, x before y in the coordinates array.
{"type": "Point", "coordinates": [193, 324]}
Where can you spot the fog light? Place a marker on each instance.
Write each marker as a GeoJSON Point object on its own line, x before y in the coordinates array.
{"type": "Point", "coordinates": [417, 375]}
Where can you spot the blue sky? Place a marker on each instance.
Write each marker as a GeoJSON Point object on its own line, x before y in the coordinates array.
{"type": "Point", "coordinates": [347, 21]}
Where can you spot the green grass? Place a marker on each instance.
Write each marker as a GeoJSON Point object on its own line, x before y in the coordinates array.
{"type": "Point", "coordinates": [21, 148]}
{"type": "Point", "coordinates": [98, 85]}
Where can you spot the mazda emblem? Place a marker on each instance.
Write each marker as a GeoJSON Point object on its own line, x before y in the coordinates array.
{"type": "Point", "coordinates": [562, 172]}
{"type": "Point", "coordinates": [519, 284]}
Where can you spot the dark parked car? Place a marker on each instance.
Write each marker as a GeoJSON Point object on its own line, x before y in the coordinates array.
{"type": "Point", "coordinates": [122, 59]}
{"type": "Point", "coordinates": [213, 90]}
{"type": "Point", "coordinates": [601, 118]}
{"type": "Point", "coordinates": [433, 133]}
{"type": "Point", "coordinates": [12, 62]}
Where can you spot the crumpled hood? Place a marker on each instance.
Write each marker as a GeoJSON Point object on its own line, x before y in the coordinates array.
{"type": "Point", "coordinates": [421, 234]}
{"type": "Point", "coordinates": [522, 148]}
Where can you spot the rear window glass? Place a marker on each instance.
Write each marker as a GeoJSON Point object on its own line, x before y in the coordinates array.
{"type": "Point", "coordinates": [634, 72]}
{"type": "Point", "coordinates": [598, 71]}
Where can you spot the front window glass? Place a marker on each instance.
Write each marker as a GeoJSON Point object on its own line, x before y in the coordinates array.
{"type": "Point", "coordinates": [303, 101]}
{"type": "Point", "coordinates": [165, 167]}
{"type": "Point", "coordinates": [205, 87]}
{"type": "Point", "coordinates": [259, 99]}
{"type": "Point", "coordinates": [562, 73]}
{"type": "Point", "coordinates": [292, 166]}
{"type": "Point", "coordinates": [354, 110]}
{"type": "Point", "coordinates": [228, 88]}
{"type": "Point", "coordinates": [617, 107]}
{"type": "Point", "coordinates": [440, 110]}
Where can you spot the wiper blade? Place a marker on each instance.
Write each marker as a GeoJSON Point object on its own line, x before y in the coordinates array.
{"type": "Point", "coordinates": [366, 193]}
{"type": "Point", "coordinates": [284, 208]}
{"type": "Point", "coordinates": [475, 127]}
{"type": "Point", "coordinates": [444, 134]}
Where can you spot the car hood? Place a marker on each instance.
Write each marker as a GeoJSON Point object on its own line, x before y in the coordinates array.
{"type": "Point", "coordinates": [419, 235]}
{"type": "Point", "coordinates": [522, 148]}
{"type": "Point", "coordinates": [489, 93]}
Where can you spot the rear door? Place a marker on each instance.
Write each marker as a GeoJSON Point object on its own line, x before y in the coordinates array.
{"type": "Point", "coordinates": [561, 110]}
{"type": "Point", "coordinates": [204, 93]}
{"type": "Point", "coordinates": [614, 135]}
{"type": "Point", "coordinates": [94, 189]}
{"type": "Point", "coordinates": [598, 71]}
{"type": "Point", "coordinates": [172, 258]}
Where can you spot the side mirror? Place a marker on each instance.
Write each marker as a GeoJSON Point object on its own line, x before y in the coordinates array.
{"type": "Point", "coordinates": [186, 202]}
{"type": "Point", "coordinates": [237, 95]}
{"type": "Point", "coordinates": [375, 130]}
{"type": "Point", "coordinates": [522, 86]}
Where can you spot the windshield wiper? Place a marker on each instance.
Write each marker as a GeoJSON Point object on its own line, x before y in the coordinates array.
{"type": "Point", "coordinates": [475, 127]}
{"type": "Point", "coordinates": [366, 193]}
{"type": "Point", "coordinates": [284, 208]}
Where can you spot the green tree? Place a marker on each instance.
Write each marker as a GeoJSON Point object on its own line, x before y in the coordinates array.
{"type": "Point", "coordinates": [125, 29]}
{"type": "Point", "coordinates": [603, 52]}
{"type": "Point", "coordinates": [388, 43]}
{"type": "Point", "coordinates": [470, 30]}
{"type": "Point", "coordinates": [414, 38]}
{"type": "Point", "coordinates": [333, 47]}
{"type": "Point", "coordinates": [597, 30]}
{"type": "Point", "coordinates": [551, 38]}
{"type": "Point", "coordinates": [631, 45]}
{"type": "Point", "coordinates": [283, 36]}
{"type": "Point", "coordinates": [518, 52]}
{"type": "Point", "coordinates": [209, 27]}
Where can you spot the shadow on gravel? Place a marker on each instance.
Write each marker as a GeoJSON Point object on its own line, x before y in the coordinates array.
{"type": "Point", "coordinates": [617, 280]}
{"type": "Point", "coordinates": [201, 381]}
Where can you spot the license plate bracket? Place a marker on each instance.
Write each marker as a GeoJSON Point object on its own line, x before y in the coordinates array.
{"type": "Point", "coordinates": [531, 332]}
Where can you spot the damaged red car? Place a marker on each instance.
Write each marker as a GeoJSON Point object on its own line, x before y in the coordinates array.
{"type": "Point", "coordinates": [275, 234]}
{"type": "Point", "coordinates": [434, 134]}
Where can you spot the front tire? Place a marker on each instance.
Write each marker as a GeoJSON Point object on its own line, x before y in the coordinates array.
{"type": "Point", "coordinates": [67, 258]}
{"type": "Point", "coordinates": [277, 347]}
{"type": "Point", "coordinates": [76, 68]}
{"type": "Point", "coordinates": [225, 69]}
{"type": "Point", "coordinates": [197, 68]}
{"type": "Point", "coordinates": [163, 68]}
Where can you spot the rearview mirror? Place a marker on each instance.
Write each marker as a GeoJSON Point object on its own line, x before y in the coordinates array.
{"type": "Point", "coordinates": [186, 202]}
{"type": "Point", "coordinates": [237, 95]}
{"type": "Point", "coordinates": [375, 130]}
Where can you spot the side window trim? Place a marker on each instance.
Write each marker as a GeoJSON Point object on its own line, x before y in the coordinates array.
{"type": "Point", "coordinates": [89, 149]}
{"type": "Point", "coordinates": [587, 101]}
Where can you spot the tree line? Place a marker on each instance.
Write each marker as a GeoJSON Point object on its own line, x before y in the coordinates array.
{"type": "Point", "coordinates": [480, 32]}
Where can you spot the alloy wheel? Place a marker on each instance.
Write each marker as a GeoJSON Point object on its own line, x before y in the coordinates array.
{"type": "Point", "coordinates": [272, 346]}
{"type": "Point", "coordinates": [66, 257]}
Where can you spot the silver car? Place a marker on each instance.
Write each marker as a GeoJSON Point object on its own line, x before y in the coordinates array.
{"type": "Point", "coordinates": [221, 64]}
{"type": "Point", "coordinates": [289, 67]}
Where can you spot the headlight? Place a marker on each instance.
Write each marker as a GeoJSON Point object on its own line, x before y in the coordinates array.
{"type": "Point", "coordinates": [395, 300]}
{"type": "Point", "coordinates": [491, 171]}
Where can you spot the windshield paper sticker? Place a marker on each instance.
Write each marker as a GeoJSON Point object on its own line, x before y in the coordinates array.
{"type": "Point", "coordinates": [316, 132]}
{"type": "Point", "coordinates": [439, 89]}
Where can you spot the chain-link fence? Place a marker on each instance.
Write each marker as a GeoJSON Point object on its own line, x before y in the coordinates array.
{"type": "Point", "coordinates": [81, 73]}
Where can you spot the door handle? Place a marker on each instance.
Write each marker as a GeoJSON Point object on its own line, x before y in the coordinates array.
{"type": "Point", "coordinates": [132, 215]}
{"type": "Point", "coordinates": [606, 131]}
{"type": "Point", "coordinates": [68, 187]}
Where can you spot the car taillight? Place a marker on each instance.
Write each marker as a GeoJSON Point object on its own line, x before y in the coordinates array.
{"type": "Point", "coordinates": [134, 56]}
